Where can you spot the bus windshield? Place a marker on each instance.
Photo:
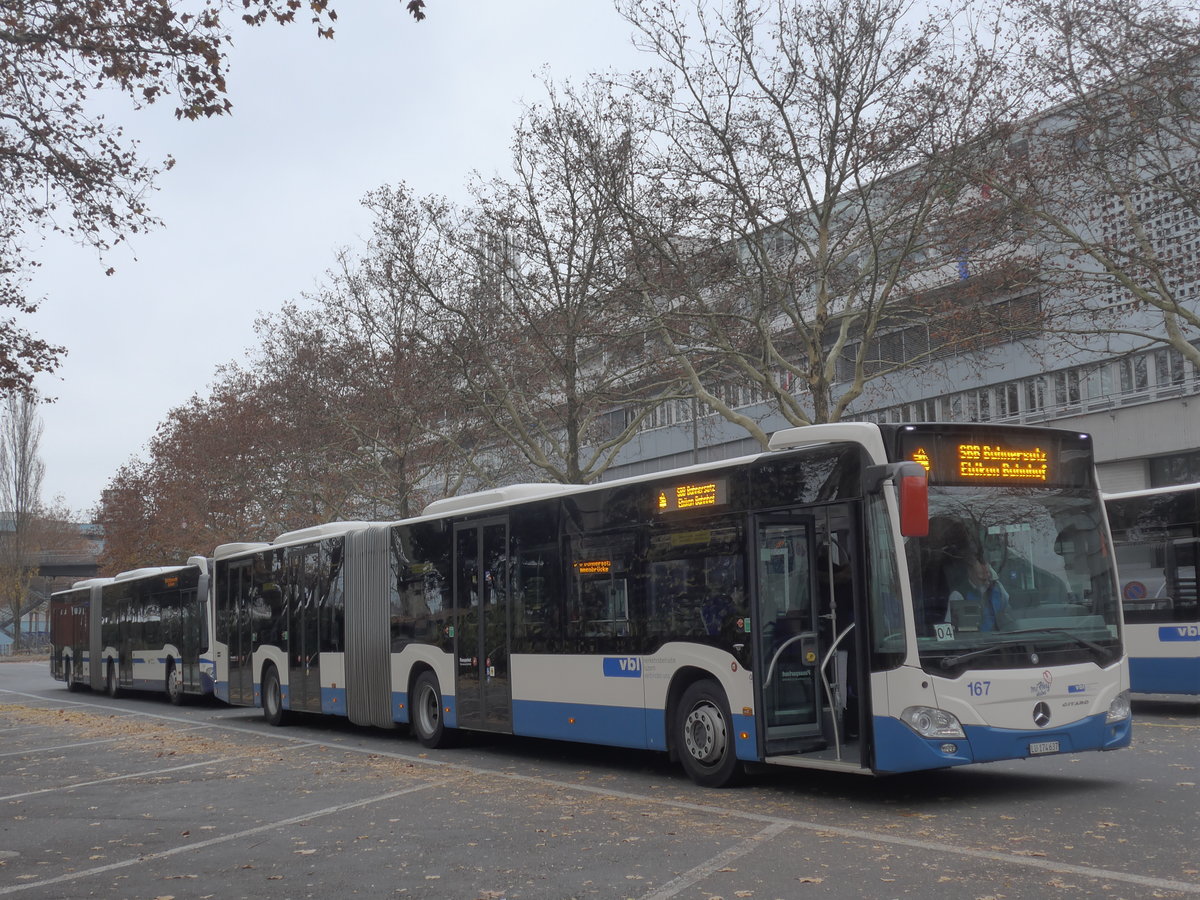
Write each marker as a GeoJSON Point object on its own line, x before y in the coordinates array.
{"type": "Point", "coordinates": [1013, 576]}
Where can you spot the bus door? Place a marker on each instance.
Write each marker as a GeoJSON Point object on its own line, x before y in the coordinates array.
{"type": "Point", "coordinates": [1183, 559]}
{"type": "Point", "coordinates": [189, 628]}
{"type": "Point", "coordinates": [304, 670]}
{"type": "Point", "coordinates": [303, 593]}
{"type": "Point", "coordinates": [238, 582]}
{"type": "Point", "coordinates": [482, 601]}
{"type": "Point", "coordinates": [785, 619]}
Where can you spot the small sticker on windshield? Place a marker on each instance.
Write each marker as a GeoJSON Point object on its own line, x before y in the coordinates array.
{"type": "Point", "coordinates": [943, 631]}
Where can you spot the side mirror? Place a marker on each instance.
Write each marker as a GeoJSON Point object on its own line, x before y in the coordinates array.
{"type": "Point", "coordinates": [912, 492]}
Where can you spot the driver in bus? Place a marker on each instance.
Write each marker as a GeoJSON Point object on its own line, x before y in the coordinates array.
{"type": "Point", "coordinates": [980, 601]}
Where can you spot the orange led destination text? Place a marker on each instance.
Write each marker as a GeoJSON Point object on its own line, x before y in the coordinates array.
{"type": "Point", "coordinates": [689, 496]}
{"type": "Point", "coordinates": [993, 461]}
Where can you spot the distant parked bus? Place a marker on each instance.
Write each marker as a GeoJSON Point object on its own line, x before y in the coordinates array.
{"type": "Point", "coordinates": [1157, 537]}
{"type": "Point", "coordinates": [861, 598]}
{"type": "Point", "coordinates": [146, 630]}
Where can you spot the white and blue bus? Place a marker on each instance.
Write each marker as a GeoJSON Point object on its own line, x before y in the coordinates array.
{"type": "Point", "coordinates": [1157, 538]}
{"type": "Point", "coordinates": [861, 597]}
{"type": "Point", "coordinates": [147, 629]}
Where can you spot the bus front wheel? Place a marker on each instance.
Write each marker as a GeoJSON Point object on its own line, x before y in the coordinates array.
{"type": "Point", "coordinates": [174, 684]}
{"type": "Point", "coordinates": [704, 735]}
{"type": "Point", "coordinates": [272, 697]}
{"type": "Point", "coordinates": [427, 720]}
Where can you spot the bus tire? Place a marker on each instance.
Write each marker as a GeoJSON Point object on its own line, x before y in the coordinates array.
{"type": "Point", "coordinates": [704, 737]}
{"type": "Point", "coordinates": [72, 685]}
{"type": "Point", "coordinates": [112, 685]}
{"type": "Point", "coordinates": [174, 684]}
{"type": "Point", "coordinates": [427, 721]}
{"type": "Point", "coordinates": [272, 697]}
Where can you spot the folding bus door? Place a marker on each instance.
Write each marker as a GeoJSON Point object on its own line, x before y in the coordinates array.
{"type": "Point", "coordinates": [304, 669]}
{"type": "Point", "coordinates": [482, 600]}
{"type": "Point", "coordinates": [787, 634]}
{"type": "Point", "coordinates": [238, 583]}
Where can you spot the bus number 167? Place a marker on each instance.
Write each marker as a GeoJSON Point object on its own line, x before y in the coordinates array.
{"type": "Point", "coordinates": [979, 688]}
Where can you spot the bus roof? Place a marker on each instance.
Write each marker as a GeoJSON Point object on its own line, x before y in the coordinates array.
{"type": "Point", "coordinates": [1152, 492]}
{"type": "Point", "coordinates": [147, 572]}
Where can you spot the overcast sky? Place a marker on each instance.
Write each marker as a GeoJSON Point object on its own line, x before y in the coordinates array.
{"type": "Point", "coordinates": [259, 201]}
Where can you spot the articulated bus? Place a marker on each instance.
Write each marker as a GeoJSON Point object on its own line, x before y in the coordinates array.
{"type": "Point", "coordinates": [147, 629]}
{"type": "Point", "coordinates": [863, 598]}
{"type": "Point", "coordinates": [1157, 538]}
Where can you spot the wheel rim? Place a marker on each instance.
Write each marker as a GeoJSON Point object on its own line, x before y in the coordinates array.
{"type": "Point", "coordinates": [175, 683]}
{"type": "Point", "coordinates": [428, 708]}
{"type": "Point", "coordinates": [704, 734]}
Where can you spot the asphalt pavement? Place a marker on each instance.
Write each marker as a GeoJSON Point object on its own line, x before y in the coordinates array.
{"type": "Point", "coordinates": [134, 798]}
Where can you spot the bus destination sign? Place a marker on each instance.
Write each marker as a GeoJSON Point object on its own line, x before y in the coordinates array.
{"type": "Point", "coordinates": [691, 495]}
{"type": "Point", "coordinates": [992, 462]}
{"type": "Point", "coordinates": [995, 461]}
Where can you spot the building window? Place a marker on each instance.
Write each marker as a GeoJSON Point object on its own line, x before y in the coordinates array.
{"type": "Point", "coordinates": [1180, 468]}
{"type": "Point", "coordinates": [1097, 385]}
{"type": "Point", "coordinates": [1135, 376]}
{"type": "Point", "coordinates": [1035, 393]}
{"type": "Point", "coordinates": [1066, 388]}
{"type": "Point", "coordinates": [1168, 368]}
{"type": "Point", "coordinates": [1008, 401]}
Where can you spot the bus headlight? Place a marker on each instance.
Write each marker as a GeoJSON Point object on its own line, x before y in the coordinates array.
{"type": "Point", "coordinates": [1119, 710]}
{"type": "Point", "coordinates": [930, 722]}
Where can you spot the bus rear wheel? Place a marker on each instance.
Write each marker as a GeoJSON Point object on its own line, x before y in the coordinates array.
{"type": "Point", "coordinates": [704, 735]}
{"type": "Point", "coordinates": [112, 684]}
{"type": "Point", "coordinates": [272, 697]}
{"type": "Point", "coordinates": [69, 672]}
{"type": "Point", "coordinates": [174, 684]}
{"type": "Point", "coordinates": [427, 720]}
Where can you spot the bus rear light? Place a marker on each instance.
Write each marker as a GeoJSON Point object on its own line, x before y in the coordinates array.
{"type": "Point", "coordinates": [1120, 709]}
{"type": "Point", "coordinates": [930, 722]}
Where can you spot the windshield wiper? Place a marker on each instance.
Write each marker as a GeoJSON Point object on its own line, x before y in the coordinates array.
{"type": "Point", "coordinates": [949, 662]}
{"type": "Point", "coordinates": [1103, 651]}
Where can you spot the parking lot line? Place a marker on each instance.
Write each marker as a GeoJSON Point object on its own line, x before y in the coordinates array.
{"type": "Point", "coordinates": [58, 747]}
{"type": "Point", "coordinates": [201, 845]}
{"type": "Point", "coordinates": [152, 772]}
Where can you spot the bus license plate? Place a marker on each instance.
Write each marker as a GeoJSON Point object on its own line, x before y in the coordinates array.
{"type": "Point", "coordinates": [1043, 747]}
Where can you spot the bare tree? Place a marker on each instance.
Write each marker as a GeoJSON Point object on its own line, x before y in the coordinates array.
{"type": "Point", "coordinates": [524, 292]}
{"type": "Point", "coordinates": [793, 205]}
{"type": "Point", "coordinates": [21, 471]}
{"type": "Point", "coordinates": [65, 168]}
{"type": "Point", "coordinates": [1104, 168]}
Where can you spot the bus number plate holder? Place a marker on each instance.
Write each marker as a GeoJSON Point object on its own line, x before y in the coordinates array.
{"type": "Point", "coordinates": [1043, 747]}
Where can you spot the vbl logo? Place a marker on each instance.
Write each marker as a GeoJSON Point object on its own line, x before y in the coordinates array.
{"type": "Point", "coordinates": [1179, 633]}
{"type": "Point", "coordinates": [622, 667]}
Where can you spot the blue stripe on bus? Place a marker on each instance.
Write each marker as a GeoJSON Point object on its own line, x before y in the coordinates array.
{"type": "Point", "coordinates": [899, 749]}
{"type": "Point", "coordinates": [333, 701]}
{"type": "Point", "coordinates": [1170, 675]}
{"type": "Point", "coordinates": [613, 726]}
